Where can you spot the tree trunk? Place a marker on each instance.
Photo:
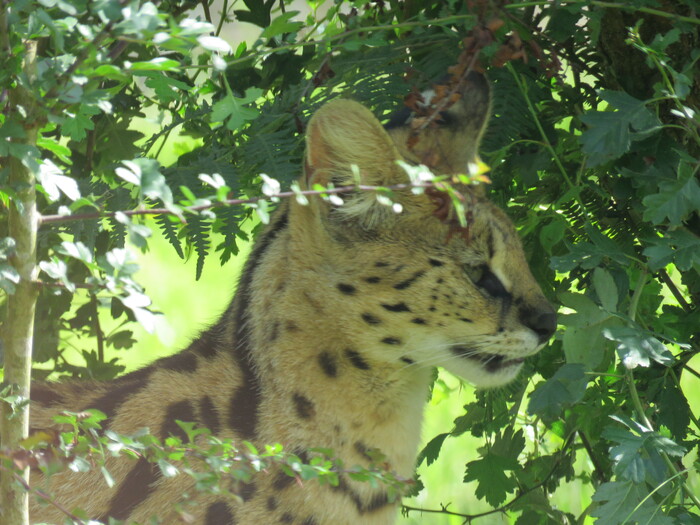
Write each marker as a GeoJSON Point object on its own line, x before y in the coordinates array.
{"type": "Point", "coordinates": [19, 324]}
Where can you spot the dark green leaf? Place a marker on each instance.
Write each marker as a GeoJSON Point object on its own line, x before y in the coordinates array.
{"type": "Point", "coordinates": [637, 347]}
{"type": "Point", "coordinates": [493, 484]}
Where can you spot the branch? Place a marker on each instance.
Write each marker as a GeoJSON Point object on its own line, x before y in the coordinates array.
{"type": "Point", "coordinates": [43, 495]}
{"type": "Point", "coordinates": [468, 518]}
{"type": "Point", "coordinates": [48, 219]}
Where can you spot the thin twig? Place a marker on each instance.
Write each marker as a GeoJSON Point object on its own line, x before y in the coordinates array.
{"type": "Point", "coordinates": [674, 290]}
{"type": "Point", "coordinates": [470, 517]}
{"type": "Point", "coordinates": [48, 219]}
{"type": "Point", "coordinates": [43, 495]}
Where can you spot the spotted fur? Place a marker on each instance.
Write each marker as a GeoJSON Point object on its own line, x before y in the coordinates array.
{"type": "Point", "coordinates": [338, 318]}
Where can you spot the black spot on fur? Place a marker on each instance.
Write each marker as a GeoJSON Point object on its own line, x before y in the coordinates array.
{"type": "Point", "coordinates": [408, 282]}
{"type": "Point", "coordinates": [362, 450]}
{"type": "Point", "coordinates": [281, 481]}
{"type": "Point", "coordinates": [247, 491]}
{"type": "Point", "coordinates": [309, 521]}
{"type": "Point", "coordinates": [357, 360]}
{"type": "Point", "coordinates": [271, 503]}
{"type": "Point", "coordinates": [206, 344]}
{"type": "Point", "coordinates": [291, 326]}
{"type": "Point", "coordinates": [45, 394]}
{"type": "Point", "coordinates": [371, 319]}
{"type": "Point", "coordinates": [137, 486]}
{"type": "Point", "coordinates": [219, 513]}
{"type": "Point", "coordinates": [378, 500]}
{"type": "Point", "coordinates": [182, 411]}
{"type": "Point", "coordinates": [381, 264]}
{"type": "Point", "coordinates": [209, 415]}
{"type": "Point", "coordinates": [274, 331]}
{"type": "Point", "coordinates": [182, 362]}
{"type": "Point", "coordinates": [372, 280]}
{"type": "Point", "coordinates": [347, 289]}
{"type": "Point", "coordinates": [465, 320]}
{"type": "Point", "coordinates": [243, 411]}
{"type": "Point", "coordinates": [398, 307]}
{"type": "Point", "coordinates": [407, 360]}
{"type": "Point", "coordinates": [435, 262]}
{"type": "Point", "coordinates": [123, 389]}
{"type": "Point", "coordinates": [391, 341]}
{"type": "Point", "coordinates": [418, 320]}
{"type": "Point", "coordinates": [304, 406]}
{"type": "Point", "coordinates": [287, 518]}
{"type": "Point", "coordinates": [328, 364]}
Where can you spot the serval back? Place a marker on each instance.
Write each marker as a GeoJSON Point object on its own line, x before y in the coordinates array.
{"type": "Point", "coordinates": [340, 315]}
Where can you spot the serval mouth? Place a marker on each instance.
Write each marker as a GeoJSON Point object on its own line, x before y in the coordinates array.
{"type": "Point", "coordinates": [492, 363]}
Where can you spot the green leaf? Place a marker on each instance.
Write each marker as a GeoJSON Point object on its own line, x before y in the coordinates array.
{"type": "Point", "coordinates": [54, 182]}
{"type": "Point", "coordinates": [155, 64]}
{"type": "Point", "coordinates": [610, 133]}
{"type": "Point", "coordinates": [565, 388]}
{"type": "Point", "coordinates": [76, 124]}
{"type": "Point", "coordinates": [282, 24]}
{"type": "Point", "coordinates": [676, 200]}
{"type": "Point", "coordinates": [637, 347]}
{"type": "Point", "coordinates": [625, 502]}
{"type": "Point", "coordinates": [167, 469]}
{"type": "Point", "coordinates": [676, 246]}
{"type": "Point", "coordinates": [606, 289]}
{"type": "Point", "coordinates": [145, 173]}
{"type": "Point", "coordinates": [673, 410]}
{"type": "Point", "coordinates": [232, 110]}
{"type": "Point", "coordinates": [259, 13]}
{"type": "Point", "coordinates": [490, 474]}
{"type": "Point", "coordinates": [552, 234]}
{"type": "Point", "coordinates": [583, 342]}
{"type": "Point", "coordinates": [431, 451]}
{"type": "Point", "coordinates": [629, 463]}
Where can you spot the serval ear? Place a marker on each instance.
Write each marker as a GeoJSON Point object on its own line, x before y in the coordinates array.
{"type": "Point", "coordinates": [343, 134]}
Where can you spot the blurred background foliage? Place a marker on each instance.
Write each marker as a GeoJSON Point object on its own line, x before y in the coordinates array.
{"type": "Point", "coordinates": [594, 148]}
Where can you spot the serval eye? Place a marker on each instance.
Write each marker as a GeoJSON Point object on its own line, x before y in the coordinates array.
{"type": "Point", "coordinates": [475, 272]}
{"type": "Point", "coordinates": [484, 278]}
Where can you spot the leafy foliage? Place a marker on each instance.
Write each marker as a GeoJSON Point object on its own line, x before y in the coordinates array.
{"type": "Point", "coordinates": [594, 148]}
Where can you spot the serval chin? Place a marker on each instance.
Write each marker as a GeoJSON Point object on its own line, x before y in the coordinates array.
{"type": "Point", "coordinates": [340, 315]}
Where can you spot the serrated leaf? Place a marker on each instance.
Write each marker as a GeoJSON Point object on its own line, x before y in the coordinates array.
{"type": "Point", "coordinates": [232, 110]}
{"type": "Point", "coordinates": [637, 347]}
{"type": "Point", "coordinates": [282, 24]}
{"type": "Point", "coordinates": [564, 388]}
{"type": "Point", "coordinates": [625, 502]}
{"type": "Point", "coordinates": [676, 246]}
{"type": "Point", "coordinates": [629, 464]}
{"type": "Point", "coordinates": [493, 484]}
{"type": "Point", "coordinates": [675, 200]}
{"type": "Point", "coordinates": [610, 133]}
{"type": "Point", "coordinates": [431, 451]}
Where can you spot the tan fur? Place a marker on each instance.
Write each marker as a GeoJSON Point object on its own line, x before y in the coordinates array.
{"type": "Point", "coordinates": [345, 312]}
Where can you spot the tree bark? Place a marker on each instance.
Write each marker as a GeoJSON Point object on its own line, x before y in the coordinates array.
{"type": "Point", "coordinates": [19, 326]}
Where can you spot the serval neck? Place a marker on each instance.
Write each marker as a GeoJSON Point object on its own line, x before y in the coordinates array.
{"type": "Point", "coordinates": [334, 395]}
